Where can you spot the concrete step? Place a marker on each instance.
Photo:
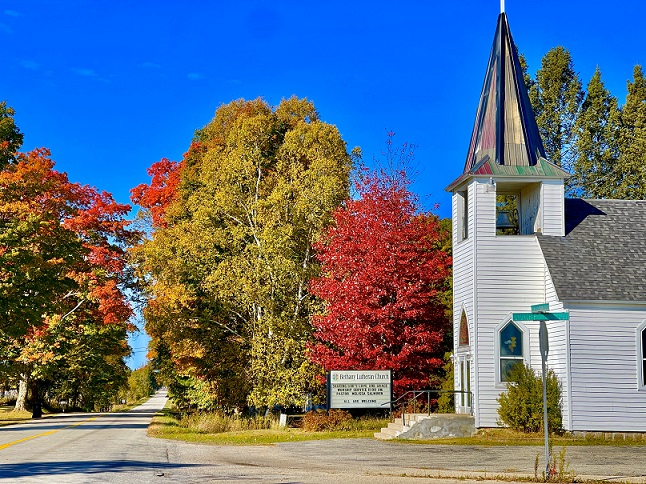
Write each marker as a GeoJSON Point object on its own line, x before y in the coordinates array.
{"type": "Point", "coordinates": [413, 418]}
{"type": "Point", "coordinates": [431, 426]}
{"type": "Point", "coordinates": [396, 428]}
{"type": "Point", "coordinates": [393, 430]}
{"type": "Point", "coordinates": [382, 436]}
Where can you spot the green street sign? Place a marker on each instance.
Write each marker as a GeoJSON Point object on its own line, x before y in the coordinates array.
{"type": "Point", "coordinates": [540, 316]}
{"type": "Point", "coordinates": [539, 308]}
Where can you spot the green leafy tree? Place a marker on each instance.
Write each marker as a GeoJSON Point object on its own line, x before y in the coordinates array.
{"type": "Point", "coordinates": [631, 165]}
{"type": "Point", "coordinates": [597, 142]}
{"type": "Point", "coordinates": [556, 97]}
{"type": "Point", "coordinates": [79, 361]}
{"type": "Point", "coordinates": [142, 383]}
{"type": "Point", "coordinates": [521, 406]}
{"type": "Point", "coordinates": [10, 135]}
{"type": "Point", "coordinates": [230, 255]}
{"type": "Point", "coordinates": [446, 400]}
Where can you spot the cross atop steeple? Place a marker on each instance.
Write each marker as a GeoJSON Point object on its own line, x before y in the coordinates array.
{"type": "Point", "coordinates": [502, 6]}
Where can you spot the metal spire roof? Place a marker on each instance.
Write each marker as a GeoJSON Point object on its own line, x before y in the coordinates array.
{"type": "Point", "coordinates": [505, 129]}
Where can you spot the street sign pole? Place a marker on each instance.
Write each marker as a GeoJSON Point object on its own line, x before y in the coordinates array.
{"type": "Point", "coordinates": [544, 346]}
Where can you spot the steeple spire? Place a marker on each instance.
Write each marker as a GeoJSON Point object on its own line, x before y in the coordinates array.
{"type": "Point", "coordinates": [505, 129]}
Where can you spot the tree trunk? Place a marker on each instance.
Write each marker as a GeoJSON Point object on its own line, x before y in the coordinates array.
{"type": "Point", "coordinates": [22, 394]}
{"type": "Point", "coordinates": [37, 403]}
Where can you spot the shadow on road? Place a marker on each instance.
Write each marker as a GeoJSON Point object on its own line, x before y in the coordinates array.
{"type": "Point", "coordinates": [100, 421]}
{"type": "Point", "coordinates": [86, 426]}
{"type": "Point", "coordinates": [84, 467]}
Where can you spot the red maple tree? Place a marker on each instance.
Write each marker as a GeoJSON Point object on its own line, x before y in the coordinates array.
{"type": "Point", "coordinates": [161, 192]}
{"type": "Point", "coordinates": [164, 188]}
{"type": "Point", "coordinates": [68, 237]}
{"type": "Point", "coordinates": [383, 272]}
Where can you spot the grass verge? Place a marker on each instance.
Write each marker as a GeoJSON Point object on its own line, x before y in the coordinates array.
{"type": "Point", "coordinates": [168, 426]}
{"type": "Point", "coordinates": [507, 437]}
{"type": "Point", "coordinates": [8, 416]}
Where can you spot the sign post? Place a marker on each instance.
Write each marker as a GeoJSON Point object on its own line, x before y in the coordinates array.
{"type": "Point", "coordinates": [544, 346]}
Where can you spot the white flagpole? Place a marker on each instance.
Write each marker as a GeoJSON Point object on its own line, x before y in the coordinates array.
{"type": "Point", "coordinates": [502, 6]}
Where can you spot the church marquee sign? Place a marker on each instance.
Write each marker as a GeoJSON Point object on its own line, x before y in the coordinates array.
{"type": "Point", "coordinates": [359, 389]}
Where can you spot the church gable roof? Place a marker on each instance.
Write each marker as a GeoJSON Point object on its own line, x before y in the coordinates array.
{"type": "Point", "coordinates": [602, 257]}
{"type": "Point", "coordinates": [505, 129]}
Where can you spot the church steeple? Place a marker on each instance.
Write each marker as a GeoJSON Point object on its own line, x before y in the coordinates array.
{"type": "Point", "coordinates": [505, 130]}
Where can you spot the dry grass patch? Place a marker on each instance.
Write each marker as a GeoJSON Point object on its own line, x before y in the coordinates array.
{"type": "Point", "coordinates": [8, 416]}
{"type": "Point", "coordinates": [222, 430]}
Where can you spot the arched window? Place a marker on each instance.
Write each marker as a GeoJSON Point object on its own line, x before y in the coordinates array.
{"type": "Point", "coordinates": [511, 349]}
{"type": "Point", "coordinates": [464, 330]}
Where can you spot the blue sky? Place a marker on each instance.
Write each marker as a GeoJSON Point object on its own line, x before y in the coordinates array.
{"type": "Point", "coordinates": [112, 87]}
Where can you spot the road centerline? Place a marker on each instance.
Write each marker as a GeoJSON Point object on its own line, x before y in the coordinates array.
{"type": "Point", "coordinates": [49, 432]}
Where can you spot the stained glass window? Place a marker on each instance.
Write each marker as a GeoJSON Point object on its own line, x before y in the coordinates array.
{"type": "Point", "coordinates": [464, 330]}
{"type": "Point", "coordinates": [511, 349]}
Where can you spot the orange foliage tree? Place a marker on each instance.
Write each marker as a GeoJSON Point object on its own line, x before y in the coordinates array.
{"type": "Point", "coordinates": [62, 248]}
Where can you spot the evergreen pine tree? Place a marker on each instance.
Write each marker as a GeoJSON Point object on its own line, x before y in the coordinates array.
{"type": "Point", "coordinates": [529, 82]}
{"type": "Point", "coordinates": [597, 132]}
{"type": "Point", "coordinates": [631, 166]}
{"type": "Point", "coordinates": [10, 135]}
{"type": "Point", "coordinates": [556, 97]}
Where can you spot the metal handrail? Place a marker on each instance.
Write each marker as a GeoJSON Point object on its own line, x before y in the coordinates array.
{"type": "Point", "coordinates": [417, 393]}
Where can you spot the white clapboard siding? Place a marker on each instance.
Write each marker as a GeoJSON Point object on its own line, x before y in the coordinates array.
{"type": "Point", "coordinates": [558, 359]}
{"type": "Point", "coordinates": [558, 362]}
{"type": "Point", "coordinates": [550, 292]}
{"type": "Point", "coordinates": [463, 267]}
{"type": "Point", "coordinates": [510, 277]}
{"type": "Point", "coordinates": [553, 207]}
{"type": "Point", "coordinates": [603, 361]}
{"type": "Point", "coordinates": [463, 278]}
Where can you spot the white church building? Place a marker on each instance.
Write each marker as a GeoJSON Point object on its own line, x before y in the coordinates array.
{"type": "Point", "coordinates": [524, 253]}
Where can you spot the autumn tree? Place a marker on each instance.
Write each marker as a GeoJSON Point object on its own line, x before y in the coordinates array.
{"type": "Point", "coordinates": [230, 253]}
{"type": "Point", "coordinates": [595, 172]}
{"type": "Point", "coordinates": [383, 278]}
{"type": "Point", "coordinates": [61, 265]}
{"type": "Point", "coordinates": [162, 191]}
{"type": "Point", "coordinates": [556, 96]}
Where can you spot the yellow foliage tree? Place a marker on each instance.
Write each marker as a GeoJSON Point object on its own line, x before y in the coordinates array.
{"type": "Point", "coordinates": [229, 260]}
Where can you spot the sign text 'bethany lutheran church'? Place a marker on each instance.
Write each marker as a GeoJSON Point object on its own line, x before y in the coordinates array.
{"type": "Point", "coordinates": [359, 389]}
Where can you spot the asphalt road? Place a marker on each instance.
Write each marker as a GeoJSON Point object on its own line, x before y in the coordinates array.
{"type": "Point", "coordinates": [114, 448]}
